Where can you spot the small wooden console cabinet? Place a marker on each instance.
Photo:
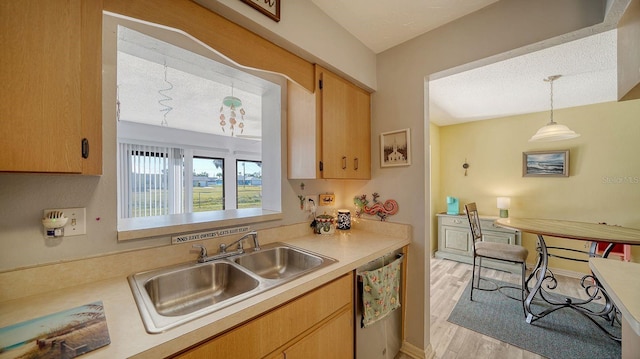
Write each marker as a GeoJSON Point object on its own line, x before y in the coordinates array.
{"type": "Point", "coordinates": [455, 241]}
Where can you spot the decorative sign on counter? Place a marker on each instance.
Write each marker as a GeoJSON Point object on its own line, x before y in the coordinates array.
{"type": "Point", "coordinates": [209, 234]}
{"type": "Point", "coordinates": [65, 334]}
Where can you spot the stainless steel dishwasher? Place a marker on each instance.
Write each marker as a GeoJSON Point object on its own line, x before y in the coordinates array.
{"type": "Point", "coordinates": [382, 339]}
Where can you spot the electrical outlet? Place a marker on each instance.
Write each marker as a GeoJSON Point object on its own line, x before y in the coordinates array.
{"type": "Point", "coordinates": [310, 202]}
{"type": "Point", "coordinates": [77, 223]}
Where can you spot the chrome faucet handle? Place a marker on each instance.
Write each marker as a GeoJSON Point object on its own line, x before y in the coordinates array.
{"type": "Point", "coordinates": [203, 250]}
{"type": "Point", "coordinates": [256, 244]}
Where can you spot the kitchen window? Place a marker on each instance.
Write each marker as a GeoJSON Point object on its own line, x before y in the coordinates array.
{"type": "Point", "coordinates": [193, 130]}
{"type": "Point", "coordinates": [249, 184]}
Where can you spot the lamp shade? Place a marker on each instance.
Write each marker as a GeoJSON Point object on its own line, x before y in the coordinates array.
{"type": "Point", "coordinates": [504, 202]}
{"type": "Point", "coordinates": [553, 131]}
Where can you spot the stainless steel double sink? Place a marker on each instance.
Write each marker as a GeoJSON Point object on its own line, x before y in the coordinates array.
{"type": "Point", "coordinates": [171, 296]}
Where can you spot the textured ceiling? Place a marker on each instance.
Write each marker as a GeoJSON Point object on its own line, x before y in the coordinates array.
{"type": "Point", "coordinates": [505, 88]}
{"type": "Point", "coordinates": [516, 86]}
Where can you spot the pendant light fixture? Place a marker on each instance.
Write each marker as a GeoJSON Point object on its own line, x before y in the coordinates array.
{"type": "Point", "coordinates": [553, 131]}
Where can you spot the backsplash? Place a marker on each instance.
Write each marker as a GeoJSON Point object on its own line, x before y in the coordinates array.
{"type": "Point", "coordinates": [41, 279]}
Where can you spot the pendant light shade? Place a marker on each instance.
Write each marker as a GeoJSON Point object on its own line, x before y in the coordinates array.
{"type": "Point", "coordinates": [553, 131]}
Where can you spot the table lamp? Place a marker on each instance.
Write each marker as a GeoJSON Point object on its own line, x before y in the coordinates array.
{"type": "Point", "coordinates": [503, 204]}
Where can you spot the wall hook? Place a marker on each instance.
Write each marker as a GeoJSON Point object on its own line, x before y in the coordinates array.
{"type": "Point", "coordinates": [465, 165]}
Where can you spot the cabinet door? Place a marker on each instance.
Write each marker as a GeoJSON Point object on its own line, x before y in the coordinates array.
{"type": "Point", "coordinates": [304, 146]}
{"type": "Point", "coordinates": [346, 143]}
{"type": "Point", "coordinates": [457, 240]}
{"type": "Point", "coordinates": [274, 329]}
{"type": "Point", "coordinates": [43, 92]}
{"type": "Point", "coordinates": [335, 128]}
{"type": "Point", "coordinates": [359, 140]}
{"type": "Point", "coordinates": [332, 340]}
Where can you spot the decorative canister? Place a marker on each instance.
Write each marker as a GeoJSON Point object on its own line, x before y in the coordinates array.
{"type": "Point", "coordinates": [344, 219]}
{"type": "Point", "coordinates": [325, 224]}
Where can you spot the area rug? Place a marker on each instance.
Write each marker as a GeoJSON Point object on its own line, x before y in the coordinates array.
{"type": "Point", "coordinates": [563, 334]}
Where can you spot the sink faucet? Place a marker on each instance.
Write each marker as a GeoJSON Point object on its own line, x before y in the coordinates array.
{"type": "Point", "coordinates": [256, 245]}
{"type": "Point", "coordinates": [204, 257]}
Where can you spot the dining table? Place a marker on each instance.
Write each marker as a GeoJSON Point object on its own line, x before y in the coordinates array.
{"type": "Point", "coordinates": [542, 279]}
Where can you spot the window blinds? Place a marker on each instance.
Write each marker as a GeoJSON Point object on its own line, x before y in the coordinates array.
{"type": "Point", "coordinates": [150, 180]}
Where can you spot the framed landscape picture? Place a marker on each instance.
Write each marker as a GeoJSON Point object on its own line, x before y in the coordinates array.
{"type": "Point", "coordinates": [395, 148]}
{"type": "Point", "coordinates": [545, 164]}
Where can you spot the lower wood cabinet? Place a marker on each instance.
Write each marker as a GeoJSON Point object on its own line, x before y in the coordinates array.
{"type": "Point", "coordinates": [318, 324]}
{"type": "Point", "coordinates": [334, 339]}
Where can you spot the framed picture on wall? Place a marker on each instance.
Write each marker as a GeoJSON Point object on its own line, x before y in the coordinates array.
{"type": "Point", "coordinates": [395, 148]}
{"type": "Point", "coordinates": [271, 8]}
{"type": "Point", "coordinates": [545, 164]}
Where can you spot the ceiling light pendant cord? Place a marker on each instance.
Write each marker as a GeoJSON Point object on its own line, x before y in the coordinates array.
{"type": "Point", "coordinates": [550, 80]}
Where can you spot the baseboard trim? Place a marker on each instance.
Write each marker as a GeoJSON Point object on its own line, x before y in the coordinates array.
{"type": "Point", "coordinates": [507, 267]}
{"type": "Point", "coordinates": [414, 352]}
{"type": "Point", "coordinates": [564, 272]}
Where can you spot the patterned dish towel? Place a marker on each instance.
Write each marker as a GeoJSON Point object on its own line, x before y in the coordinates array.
{"type": "Point", "coordinates": [380, 292]}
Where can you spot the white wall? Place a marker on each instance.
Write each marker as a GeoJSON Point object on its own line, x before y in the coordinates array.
{"type": "Point", "coordinates": [400, 102]}
{"type": "Point", "coordinates": [301, 21]}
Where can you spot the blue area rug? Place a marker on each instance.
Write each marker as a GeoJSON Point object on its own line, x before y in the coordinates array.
{"type": "Point", "coordinates": [563, 334]}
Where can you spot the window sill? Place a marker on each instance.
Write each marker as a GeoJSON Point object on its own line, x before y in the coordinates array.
{"type": "Point", "coordinates": [137, 228]}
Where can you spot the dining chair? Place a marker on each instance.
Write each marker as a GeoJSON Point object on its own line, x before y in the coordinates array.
{"type": "Point", "coordinates": [497, 251]}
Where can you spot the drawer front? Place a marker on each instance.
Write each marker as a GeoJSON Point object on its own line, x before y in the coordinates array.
{"type": "Point", "coordinates": [456, 239]}
{"type": "Point", "coordinates": [489, 225]}
{"type": "Point", "coordinates": [455, 221]}
{"type": "Point", "coordinates": [499, 237]}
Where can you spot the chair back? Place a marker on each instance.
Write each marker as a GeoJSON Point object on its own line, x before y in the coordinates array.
{"type": "Point", "coordinates": [474, 221]}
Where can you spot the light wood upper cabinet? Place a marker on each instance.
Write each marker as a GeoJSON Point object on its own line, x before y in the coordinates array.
{"type": "Point", "coordinates": [51, 86]}
{"type": "Point", "coordinates": [329, 131]}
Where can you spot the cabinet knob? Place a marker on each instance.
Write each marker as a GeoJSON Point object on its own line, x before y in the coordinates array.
{"type": "Point", "coordinates": [355, 163]}
{"type": "Point", "coordinates": [344, 162]}
{"type": "Point", "coordinates": [457, 221]}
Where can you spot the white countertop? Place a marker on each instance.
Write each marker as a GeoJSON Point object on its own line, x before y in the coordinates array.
{"type": "Point", "coordinates": [128, 336]}
{"type": "Point", "coordinates": [621, 280]}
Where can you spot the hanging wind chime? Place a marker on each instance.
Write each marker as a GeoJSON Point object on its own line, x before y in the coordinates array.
{"type": "Point", "coordinates": [233, 104]}
{"type": "Point", "coordinates": [164, 98]}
